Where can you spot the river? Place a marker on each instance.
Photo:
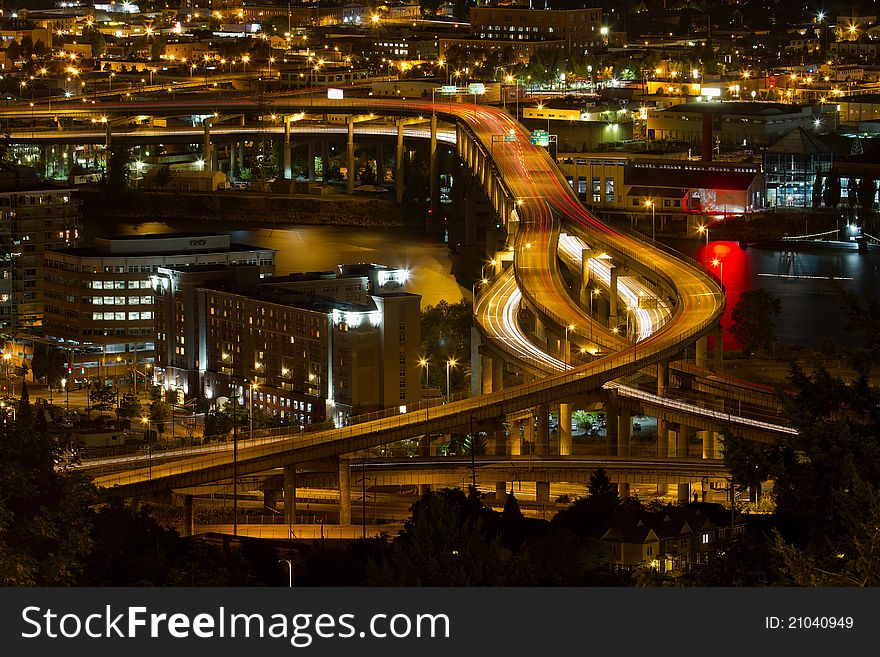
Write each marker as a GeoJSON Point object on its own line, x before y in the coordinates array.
{"type": "Point", "coordinates": [806, 282]}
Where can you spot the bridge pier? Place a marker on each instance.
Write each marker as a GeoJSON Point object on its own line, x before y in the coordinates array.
{"type": "Point", "coordinates": [542, 411]}
{"type": "Point", "coordinates": [612, 420]}
{"type": "Point", "coordinates": [662, 378]}
{"type": "Point", "coordinates": [424, 451]}
{"type": "Point", "coordinates": [398, 163]}
{"type": "Point", "coordinates": [624, 432]}
{"type": "Point", "coordinates": [623, 490]}
{"type": "Point", "coordinates": [612, 298]}
{"type": "Point", "coordinates": [662, 438]}
{"type": "Point", "coordinates": [270, 498]}
{"type": "Point", "coordinates": [310, 165]}
{"type": "Point", "coordinates": [718, 349]}
{"type": "Point", "coordinates": [285, 149]}
{"type": "Point", "coordinates": [380, 163]}
{"type": "Point", "coordinates": [290, 494]}
{"type": "Point", "coordinates": [683, 444]}
{"type": "Point", "coordinates": [565, 429]}
{"type": "Point", "coordinates": [702, 355]}
{"type": "Point", "coordinates": [500, 491]}
{"type": "Point", "coordinates": [542, 492]}
{"type": "Point", "coordinates": [208, 148]}
{"type": "Point", "coordinates": [684, 493]}
{"type": "Point", "coordinates": [344, 492]}
{"type": "Point", "coordinates": [708, 439]}
{"type": "Point", "coordinates": [188, 524]}
{"type": "Point", "coordinates": [325, 159]}
{"type": "Point", "coordinates": [434, 173]}
{"type": "Point", "coordinates": [349, 158]}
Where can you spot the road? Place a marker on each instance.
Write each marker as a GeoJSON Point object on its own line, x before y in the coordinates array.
{"type": "Point", "coordinates": [546, 205]}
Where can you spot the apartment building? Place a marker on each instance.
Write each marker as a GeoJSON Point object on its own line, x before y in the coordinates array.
{"type": "Point", "coordinates": [311, 347]}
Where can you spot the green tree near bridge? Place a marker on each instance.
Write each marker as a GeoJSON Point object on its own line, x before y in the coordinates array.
{"type": "Point", "coordinates": [753, 324]}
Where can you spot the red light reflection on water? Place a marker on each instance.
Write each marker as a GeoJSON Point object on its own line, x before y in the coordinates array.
{"type": "Point", "coordinates": [733, 271]}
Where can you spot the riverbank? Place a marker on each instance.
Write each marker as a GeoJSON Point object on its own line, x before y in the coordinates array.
{"type": "Point", "coordinates": [237, 209]}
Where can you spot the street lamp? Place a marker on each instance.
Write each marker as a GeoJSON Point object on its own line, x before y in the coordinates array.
{"type": "Point", "coordinates": [652, 205]}
{"type": "Point", "coordinates": [718, 263]}
{"type": "Point", "coordinates": [705, 230]}
{"type": "Point", "coordinates": [473, 462]}
{"type": "Point", "coordinates": [449, 364]}
{"type": "Point", "coordinates": [289, 571]}
{"type": "Point", "coordinates": [424, 363]}
{"type": "Point", "coordinates": [253, 388]}
{"type": "Point", "coordinates": [66, 394]}
{"type": "Point", "coordinates": [7, 357]}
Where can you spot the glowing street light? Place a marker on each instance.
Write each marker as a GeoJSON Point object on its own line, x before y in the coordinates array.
{"type": "Point", "coordinates": [704, 230]}
{"type": "Point", "coordinates": [449, 365]}
{"type": "Point", "coordinates": [650, 204]}
{"type": "Point", "coordinates": [718, 263]}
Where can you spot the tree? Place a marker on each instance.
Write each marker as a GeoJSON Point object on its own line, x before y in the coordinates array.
{"type": "Point", "coordinates": [753, 325]}
{"type": "Point", "coordinates": [160, 413]}
{"type": "Point", "coordinates": [101, 396]}
{"type": "Point", "coordinates": [40, 48]}
{"type": "Point", "coordinates": [47, 364]}
{"type": "Point", "coordinates": [429, 7]}
{"type": "Point", "coordinates": [118, 168]}
{"type": "Point", "coordinates": [163, 176]}
{"type": "Point", "coordinates": [45, 520]}
{"type": "Point", "coordinates": [446, 334]}
{"type": "Point", "coordinates": [217, 423]}
{"type": "Point", "coordinates": [129, 407]}
{"type": "Point", "coordinates": [867, 191]}
{"type": "Point", "coordinates": [13, 51]}
{"type": "Point", "coordinates": [832, 191]}
{"type": "Point", "coordinates": [817, 192]}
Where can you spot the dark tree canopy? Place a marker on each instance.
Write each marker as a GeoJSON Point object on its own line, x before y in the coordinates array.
{"type": "Point", "coordinates": [753, 324]}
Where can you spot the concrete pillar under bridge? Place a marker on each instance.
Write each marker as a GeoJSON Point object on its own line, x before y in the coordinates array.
{"type": "Point", "coordinates": [344, 492]}
{"type": "Point", "coordinates": [542, 492]}
{"type": "Point", "coordinates": [710, 444]}
{"type": "Point", "coordinates": [380, 163]}
{"type": "Point", "coordinates": [270, 498]}
{"type": "Point", "coordinates": [612, 420]}
{"type": "Point", "coordinates": [325, 159]}
{"type": "Point", "coordinates": [434, 168]}
{"type": "Point", "coordinates": [398, 163]}
{"type": "Point", "coordinates": [424, 451]}
{"type": "Point", "coordinates": [702, 354]}
{"type": "Point", "coordinates": [290, 494]}
{"type": "Point", "coordinates": [310, 164]}
{"type": "Point", "coordinates": [542, 412]}
{"type": "Point", "coordinates": [350, 159]}
{"type": "Point", "coordinates": [684, 493]}
{"type": "Point", "coordinates": [207, 154]}
{"type": "Point", "coordinates": [624, 433]}
{"type": "Point", "coordinates": [565, 429]}
{"type": "Point", "coordinates": [500, 491]}
{"type": "Point", "coordinates": [285, 150]}
{"type": "Point", "coordinates": [662, 378]}
{"type": "Point", "coordinates": [718, 350]}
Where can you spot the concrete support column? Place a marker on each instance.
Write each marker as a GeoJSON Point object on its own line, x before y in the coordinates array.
{"type": "Point", "coordinates": [662, 439]}
{"type": "Point", "coordinates": [325, 159]}
{"type": "Point", "coordinates": [684, 442]}
{"type": "Point", "coordinates": [289, 494]}
{"type": "Point", "coordinates": [232, 160]}
{"type": "Point", "coordinates": [623, 490]}
{"type": "Point", "coordinates": [708, 438]}
{"type": "Point", "coordinates": [624, 433]}
{"type": "Point", "coordinates": [529, 433]}
{"type": "Point", "coordinates": [702, 356]}
{"type": "Point", "coordinates": [470, 211]}
{"type": "Point", "coordinates": [424, 451]}
{"type": "Point", "coordinates": [564, 429]}
{"type": "Point", "coordinates": [497, 374]}
{"type": "Point", "coordinates": [542, 492]}
{"type": "Point", "coordinates": [514, 441]}
{"type": "Point", "coordinates": [612, 298]}
{"type": "Point", "coordinates": [718, 351]}
{"type": "Point", "coordinates": [350, 156]}
{"type": "Point", "coordinates": [684, 493]}
{"type": "Point", "coordinates": [310, 165]}
{"type": "Point", "coordinates": [285, 149]}
{"type": "Point", "coordinates": [270, 498]}
{"type": "Point", "coordinates": [434, 168]}
{"type": "Point", "coordinates": [500, 491]}
{"type": "Point", "coordinates": [486, 372]}
{"type": "Point", "coordinates": [398, 164]}
{"type": "Point", "coordinates": [612, 420]}
{"type": "Point", "coordinates": [380, 163]}
{"type": "Point", "coordinates": [662, 378]}
{"type": "Point", "coordinates": [498, 443]}
{"type": "Point", "coordinates": [542, 411]}
{"type": "Point", "coordinates": [188, 524]}
{"type": "Point", "coordinates": [344, 492]}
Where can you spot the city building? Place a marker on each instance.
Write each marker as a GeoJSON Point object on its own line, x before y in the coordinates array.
{"type": "Point", "coordinates": [634, 184]}
{"type": "Point", "coordinates": [33, 220]}
{"type": "Point", "coordinates": [523, 31]}
{"type": "Point", "coordinates": [311, 347]}
{"type": "Point", "coordinates": [733, 124]}
{"type": "Point", "coordinates": [99, 299]}
{"type": "Point", "coordinates": [791, 166]}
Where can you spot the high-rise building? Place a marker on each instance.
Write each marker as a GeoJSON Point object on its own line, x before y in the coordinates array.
{"type": "Point", "coordinates": [99, 299]}
{"type": "Point", "coordinates": [33, 219]}
{"type": "Point", "coordinates": [310, 347]}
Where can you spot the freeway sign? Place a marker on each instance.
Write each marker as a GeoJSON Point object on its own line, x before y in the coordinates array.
{"type": "Point", "coordinates": [509, 137]}
{"type": "Point", "coordinates": [539, 138]}
{"type": "Point", "coordinates": [476, 88]}
{"type": "Point", "coordinates": [449, 89]}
